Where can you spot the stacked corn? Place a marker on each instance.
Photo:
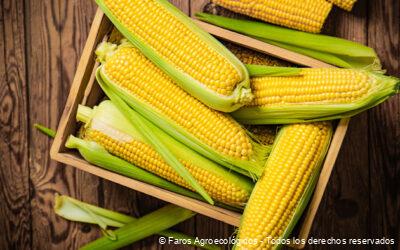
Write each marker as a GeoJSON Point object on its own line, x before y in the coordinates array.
{"type": "Point", "coordinates": [180, 80]}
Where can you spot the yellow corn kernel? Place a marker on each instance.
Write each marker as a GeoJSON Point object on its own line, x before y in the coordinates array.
{"type": "Point", "coordinates": [344, 4]}
{"type": "Point", "coordinates": [305, 15]}
{"type": "Point", "coordinates": [174, 41]}
{"type": "Point", "coordinates": [317, 86]}
{"type": "Point", "coordinates": [249, 56]}
{"type": "Point", "coordinates": [131, 70]}
{"type": "Point", "coordinates": [296, 155]}
{"type": "Point", "coordinates": [144, 156]}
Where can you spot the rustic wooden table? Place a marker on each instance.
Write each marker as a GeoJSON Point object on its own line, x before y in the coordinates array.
{"type": "Point", "coordinates": [40, 44]}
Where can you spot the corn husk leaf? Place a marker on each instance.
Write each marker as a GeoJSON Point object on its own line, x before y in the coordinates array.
{"type": "Point", "coordinates": [44, 130]}
{"type": "Point", "coordinates": [143, 227]}
{"type": "Point", "coordinates": [333, 50]}
{"type": "Point", "coordinates": [262, 70]}
{"type": "Point", "coordinates": [75, 210]}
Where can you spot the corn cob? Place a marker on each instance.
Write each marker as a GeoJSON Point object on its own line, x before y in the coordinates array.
{"type": "Point", "coordinates": [304, 15]}
{"type": "Point", "coordinates": [194, 59]}
{"type": "Point", "coordinates": [316, 94]}
{"type": "Point", "coordinates": [106, 126]}
{"type": "Point", "coordinates": [344, 4]}
{"type": "Point", "coordinates": [248, 56]}
{"type": "Point", "coordinates": [284, 189]}
{"type": "Point", "coordinates": [153, 94]}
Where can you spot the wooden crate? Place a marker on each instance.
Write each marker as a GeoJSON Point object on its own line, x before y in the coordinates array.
{"type": "Point", "coordinates": [85, 91]}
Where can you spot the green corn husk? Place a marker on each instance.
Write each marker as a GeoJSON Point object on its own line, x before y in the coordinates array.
{"type": "Point", "coordinates": [333, 50]}
{"type": "Point", "coordinates": [241, 94]}
{"type": "Point", "coordinates": [97, 155]}
{"type": "Point", "coordinates": [108, 120]}
{"type": "Point", "coordinates": [305, 196]}
{"type": "Point", "coordinates": [141, 124]}
{"type": "Point", "coordinates": [252, 167]}
{"type": "Point", "coordinates": [75, 210]}
{"type": "Point", "coordinates": [44, 130]}
{"type": "Point", "coordinates": [383, 88]}
{"type": "Point", "coordinates": [157, 221]}
{"type": "Point", "coordinates": [262, 70]}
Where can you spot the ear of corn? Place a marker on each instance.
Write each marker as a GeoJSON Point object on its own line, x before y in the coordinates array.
{"type": "Point", "coordinates": [142, 125]}
{"type": "Point", "coordinates": [106, 126]}
{"type": "Point", "coordinates": [333, 50]}
{"type": "Point", "coordinates": [305, 15]}
{"type": "Point", "coordinates": [196, 61]}
{"type": "Point", "coordinates": [315, 95]}
{"type": "Point", "coordinates": [94, 153]}
{"type": "Point", "coordinates": [286, 185]}
{"type": "Point", "coordinates": [75, 210]}
{"type": "Point", "coordinates": [344, 4]}
{"type": "Point", "coordinates": [155, 96]}
{"type": "Point", "coordinates": [143, 227]}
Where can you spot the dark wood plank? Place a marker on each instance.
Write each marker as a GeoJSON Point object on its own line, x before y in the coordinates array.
{"type": "Point", "coordinates": [57, 32]}
{"type": "Point", "coordinates": [76, 18]}
{"type": "Point", "coordinates": [207, 228]}
{"type": "Point", "coordinates": [344, 210]}
{"type": "Point", "coordinates": [15, 213]}
{"type": "Point", "coordinates": [384, 127]}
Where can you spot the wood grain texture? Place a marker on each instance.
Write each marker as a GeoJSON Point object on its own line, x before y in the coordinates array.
{"type": "Point", "coordinates": [384, 128]}
{"type": "Point", "coordinates": [14, 130]}
{"type": "Point", "coordinates": [59, 29]}
{"type": "Point", "coordinates": [40, 44]}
